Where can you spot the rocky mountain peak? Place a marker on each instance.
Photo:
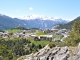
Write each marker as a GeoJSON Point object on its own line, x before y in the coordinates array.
{"type": "Point", "coordinates": [42, 17]}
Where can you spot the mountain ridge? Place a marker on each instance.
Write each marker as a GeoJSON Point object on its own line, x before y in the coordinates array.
{"type": "Point", "coordinates": [32, 17]}
{"type": "Point", "coordinates": [70, 24]}
{"type": "Point", "coordinates": [7, 22]}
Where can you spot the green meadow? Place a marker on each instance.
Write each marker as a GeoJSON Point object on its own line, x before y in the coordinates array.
{"type": "Point", "coordinates": [40, 33]}
{"type": "Point", "coordinates": [41, 42]}
{"type": "Point", "coordinates": [13, 30]}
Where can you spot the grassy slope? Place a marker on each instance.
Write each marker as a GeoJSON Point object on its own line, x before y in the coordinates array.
{"type": "Point", "coordinates": [42, 42]}
{"type": "Point", "coordinates": [40, 33]}
{"type": "Point", "coordinates": [13, 30]}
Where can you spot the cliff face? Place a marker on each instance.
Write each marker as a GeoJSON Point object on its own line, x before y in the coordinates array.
{"type": "Point", "coordinates": [56, 53]}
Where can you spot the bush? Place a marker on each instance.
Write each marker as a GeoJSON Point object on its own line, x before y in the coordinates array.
{"type": "Point", "coordinates": [51, 44]}
{"type": "Point", "coordinates": [39, 46]}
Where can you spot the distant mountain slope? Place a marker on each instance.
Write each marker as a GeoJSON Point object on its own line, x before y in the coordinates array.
{"type": "Point", "coordinates": [70, 24]}
{"type": "Point", "coordinates": [44, 23]}
{"type": "Point", "coordinates": [7, 22]}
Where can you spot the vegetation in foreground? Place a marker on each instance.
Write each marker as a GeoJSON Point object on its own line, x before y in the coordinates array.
{"type": "Point", "coordinates": [12, 49]}
{"type": "Point", "coordinates": [74, 37]}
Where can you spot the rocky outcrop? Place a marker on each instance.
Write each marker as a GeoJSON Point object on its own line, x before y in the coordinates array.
{"type": "Point", "coordinates": [56, 53]}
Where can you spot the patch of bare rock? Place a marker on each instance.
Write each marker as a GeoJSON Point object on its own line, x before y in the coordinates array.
{"type": "Point", "coordinates": [56, 53]}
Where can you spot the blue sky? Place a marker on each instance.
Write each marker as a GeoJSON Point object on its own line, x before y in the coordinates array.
{"type": "Point", "coordinates": [67, 9]}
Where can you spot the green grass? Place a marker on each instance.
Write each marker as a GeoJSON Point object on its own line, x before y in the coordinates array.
{"type": "Point", "coordinates": [40, 33]}
{"type": "Point", "coordinates": [57, 37]}
{"type": "Point", "coordinates": [42, 42]}
{"type": "Point", "coordinates": [13, 30]}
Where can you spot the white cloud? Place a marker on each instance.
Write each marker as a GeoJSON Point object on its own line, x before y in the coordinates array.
{"type": "Point", "coordinates": [30, 8]}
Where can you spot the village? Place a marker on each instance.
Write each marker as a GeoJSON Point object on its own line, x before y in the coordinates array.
{"type": "Point", "coordinates": [53, 34]}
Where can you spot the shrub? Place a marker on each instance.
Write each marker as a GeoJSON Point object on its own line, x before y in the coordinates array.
{"type": "Point", "coordinates": [51, 44]}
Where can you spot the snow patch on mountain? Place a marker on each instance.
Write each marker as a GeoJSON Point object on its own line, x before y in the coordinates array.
{"type": "Point", "coordinates": [41, 17]}
{"type": "Point", "coordinates": [42, 21]}
{"type": "Point", "coordinates": [32, 21]}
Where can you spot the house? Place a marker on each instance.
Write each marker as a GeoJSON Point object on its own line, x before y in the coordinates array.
{"type": "Point", "coordinates": [1, 33]}
{"type": "Point", "coordinates": [33, 35]}
{"type": "Point", "coordinates": [45, 37]}
{"type": "Point", "coordinates": [19, 34]}
{"type": "Point", "coordinates": [5, 35]}
{"type": "Point", "coordinates": [47, 31]}
{"type": "Point", "coordinates": [36, 38]}
{"type": "Point", "coordinates": [54, 30]}
{"type": "Point", "coordinates": [42, 37]}
{"type": "Point", "coordinates": [61, 31]}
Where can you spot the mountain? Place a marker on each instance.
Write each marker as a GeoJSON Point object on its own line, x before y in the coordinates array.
{"type": "Point", "coordinates": [70, 24]}
{"type": "Point", "coordinates": [42, 21]}
{"type": "Point", "coordinates": [7, 22]}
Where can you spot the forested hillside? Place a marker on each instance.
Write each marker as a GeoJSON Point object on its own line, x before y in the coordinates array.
{"type": "Point", "coordinates": [74, 37]}
{"type": "Point", "coordinates": [70, 24]}
{"type": "Point", "coordinates": [7, 22]}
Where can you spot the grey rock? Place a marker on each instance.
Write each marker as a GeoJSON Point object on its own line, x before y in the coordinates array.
{"type": "Point", "coordinates": [56, 53]}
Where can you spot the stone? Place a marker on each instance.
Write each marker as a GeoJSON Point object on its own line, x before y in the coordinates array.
{"type": "Point", "coordinates": [55, 53]}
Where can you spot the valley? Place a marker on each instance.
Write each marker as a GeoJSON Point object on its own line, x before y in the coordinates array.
{"type": "Point", "coordinates": [39, 29]}
{"type": "Point", "coordinates": [21, 43]}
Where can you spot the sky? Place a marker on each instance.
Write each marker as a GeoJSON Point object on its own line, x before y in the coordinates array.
{"type": "Point", "coordinates": [66, 9]}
